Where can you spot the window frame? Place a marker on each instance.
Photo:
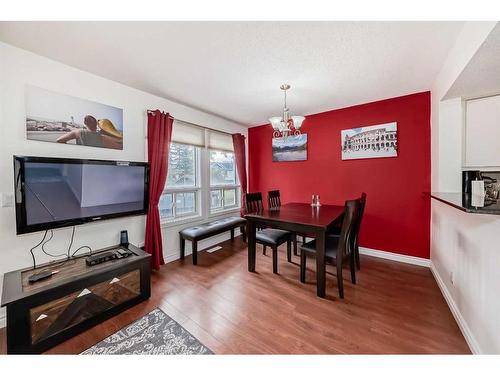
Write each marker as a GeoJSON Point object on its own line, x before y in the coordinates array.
{"type": "Point", "coordinates": [223, 188]}
{"type": "Point", "coordinates": [196, 189]}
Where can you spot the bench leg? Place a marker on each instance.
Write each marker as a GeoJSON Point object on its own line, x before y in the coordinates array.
{"type": "Point", "coordinates": [264, 250]}
{"type": "Point", "coordinates": [289, 251]}
{"type": "Point", "coordinates": [232, 234]}
{"type": "Point", "coordinates": [182, 246]}
{"type": "Point", "coordinates": [275, 259]}
{"type": "Point", "coordinates": [195, 252]}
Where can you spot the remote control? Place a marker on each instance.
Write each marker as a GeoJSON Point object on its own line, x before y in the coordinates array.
{"type": "Point", "coordinates": [41, 276]}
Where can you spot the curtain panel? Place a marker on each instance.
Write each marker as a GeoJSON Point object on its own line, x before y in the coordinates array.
{"type": "Point", "coordinates": [159, 136]}
{"type": "Point", "coordinates": [239, 153]}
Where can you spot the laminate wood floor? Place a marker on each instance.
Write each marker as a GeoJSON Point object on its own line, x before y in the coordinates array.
{"type": "Point", "coordinates": [394, 308]}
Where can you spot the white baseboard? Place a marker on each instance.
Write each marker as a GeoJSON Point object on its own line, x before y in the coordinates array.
{"type": "Point", "coordinates": [171, 258]}
{"type": "Point", "coordinates": [395, 257]}
{"type": "Point", "coordinates": [462, 324]}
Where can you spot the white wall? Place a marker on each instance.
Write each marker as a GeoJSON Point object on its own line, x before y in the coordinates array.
{"type": "Point", "coordinates": [468, 42]}
{"type": "Point", "coordinates": [19, 68]}
{"type": "Point", "coordinates": [450, 148]}
{"type": "Point", "coordinates": [465, 257]}
{"type": "Point", "coordinates": [482, 122]}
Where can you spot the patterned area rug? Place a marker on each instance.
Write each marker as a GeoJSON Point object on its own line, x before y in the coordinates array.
{"type": "Point", "coordinates": [154, 333]}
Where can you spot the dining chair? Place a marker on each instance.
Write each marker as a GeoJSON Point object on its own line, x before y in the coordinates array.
{"type": "Point", "coordinates": [269, 236]}
{"type": "Point", "coordinates": [253, 202]}
{"type": "Point", "coordinates": [357, 228]}
{"type": "Point", "coordinates": [274, 201]}
{"type": "Point", "coordinates": [362, 204]}
{"type": "Point", "coordinates": [338, 249]}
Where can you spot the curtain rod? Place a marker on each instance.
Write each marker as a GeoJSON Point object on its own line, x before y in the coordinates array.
{"type": "Point", "coordinates": [150, 111]}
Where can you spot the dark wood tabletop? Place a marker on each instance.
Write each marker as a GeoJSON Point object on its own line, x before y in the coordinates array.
{"type": "Point", "coordinates": [298, 218]}
{"type": "Point", "coordinates": [301, 213]}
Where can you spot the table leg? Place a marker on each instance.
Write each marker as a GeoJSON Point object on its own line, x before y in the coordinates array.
{"type": "Point", "coordinates": [320, 265]}
{"type": "Point", "coordinates": [251, 228]}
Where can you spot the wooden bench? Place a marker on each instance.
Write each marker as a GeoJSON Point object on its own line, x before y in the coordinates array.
{"type": "Point", "coordinates": [206, 230]}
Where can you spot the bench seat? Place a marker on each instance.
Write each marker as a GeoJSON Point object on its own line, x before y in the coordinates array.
{"type": "Point", "coordinates": [206, 230]}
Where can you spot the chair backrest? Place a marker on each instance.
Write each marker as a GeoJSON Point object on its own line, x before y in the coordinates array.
{"type": "Point", "coordinates": [273, 199]}
{"type": "Point", "coordinates": [347, 230]}
{"type": "Point", "coordinates": [357, 225]}
{"type": "Point", "coordinates": [253, 202]}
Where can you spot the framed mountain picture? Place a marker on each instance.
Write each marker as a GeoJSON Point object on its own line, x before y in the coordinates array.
{"type": "Point", "coordinates": [291, 148]}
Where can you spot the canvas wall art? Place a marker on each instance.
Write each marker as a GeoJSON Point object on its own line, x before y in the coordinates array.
{"type": "Point", "coordinates": [59, 118]}
{"type": "Point", "coordinates": [291, 148]}
{"type": "Point", "coordinates": [377, 141]}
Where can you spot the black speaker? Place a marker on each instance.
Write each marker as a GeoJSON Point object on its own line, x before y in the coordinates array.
{"type": "Point", "coordinates": [467, 177]}
{"type": "Point", "coordinates": [123, 238]}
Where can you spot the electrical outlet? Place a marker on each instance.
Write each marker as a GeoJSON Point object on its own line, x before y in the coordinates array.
{"type": "Point", "coordinates": [452, 278]}
{"type": "Point", "coordinates": [7, 199]}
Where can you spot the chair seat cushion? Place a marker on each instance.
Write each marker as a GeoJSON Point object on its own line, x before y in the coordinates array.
{"type": "Point", "coordinates": [272, 236]}
{"type": "Point", "coordinates": [213, 227]}
{"type": "Point", "coordinates": [331, 247]}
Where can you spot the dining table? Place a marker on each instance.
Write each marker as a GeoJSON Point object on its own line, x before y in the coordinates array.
{"type": "Point", "coordinates": [302, 218]}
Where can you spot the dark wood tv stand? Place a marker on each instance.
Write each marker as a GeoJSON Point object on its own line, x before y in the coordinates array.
{"type": "Point", "coordinates": [43, 314]}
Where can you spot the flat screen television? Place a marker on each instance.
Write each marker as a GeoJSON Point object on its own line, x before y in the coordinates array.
{"type": "Point", "coordinates": [53, 192]}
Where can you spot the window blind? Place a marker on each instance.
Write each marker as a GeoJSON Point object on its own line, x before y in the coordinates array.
{"type": "Point", "coordinates": [188, 134]}
{"type": "Point", "coordinates": [220, 141]}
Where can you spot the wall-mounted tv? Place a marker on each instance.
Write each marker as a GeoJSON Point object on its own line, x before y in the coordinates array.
{"type": "Point", "coordinates": [53, 192]}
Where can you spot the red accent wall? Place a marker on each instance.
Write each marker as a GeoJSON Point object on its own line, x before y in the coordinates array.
{"type": "Point", "coordinates": [397, 215]}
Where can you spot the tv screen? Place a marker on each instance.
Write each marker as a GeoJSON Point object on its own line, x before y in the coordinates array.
{"type": "Point", "coordinates": [52, 193]}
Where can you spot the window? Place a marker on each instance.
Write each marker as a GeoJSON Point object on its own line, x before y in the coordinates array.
{"type": "Point", "coordinates": [202, 178]}
{"type": "Point", "coordinates": [224, 184]}
{"type": "Point", "coordinates": [182, 191]}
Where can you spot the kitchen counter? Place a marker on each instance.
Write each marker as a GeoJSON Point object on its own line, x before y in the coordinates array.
{"type": "Point", "coordinates": [463, 202]}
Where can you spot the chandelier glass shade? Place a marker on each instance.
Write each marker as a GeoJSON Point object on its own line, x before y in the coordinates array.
{"type": "Point", "coordinates": [285, 124]}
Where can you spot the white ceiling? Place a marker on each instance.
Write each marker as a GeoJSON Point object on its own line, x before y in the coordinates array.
{"type": "Point", "coordinates": [481, 76]}
{"type": "Point", "coordinates": [234, 69]}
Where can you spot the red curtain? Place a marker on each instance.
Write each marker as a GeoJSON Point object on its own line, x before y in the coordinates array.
{"type": "Point", "coordinates": [159, 137]}
{"type": "Point", "coordinates": [239, 152]}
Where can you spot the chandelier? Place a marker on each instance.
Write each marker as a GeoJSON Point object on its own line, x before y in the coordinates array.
{"type": "Point", "coordinates": [286, 125]}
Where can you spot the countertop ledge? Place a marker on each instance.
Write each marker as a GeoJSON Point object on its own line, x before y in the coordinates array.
{"type": "Point", "coordinates": [463, 201]}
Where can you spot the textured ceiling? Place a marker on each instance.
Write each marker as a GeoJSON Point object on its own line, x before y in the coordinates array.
{"type": "Point", "coordinates": [234, 69]}
{"type": "Point", "coordinates": [481, 76]}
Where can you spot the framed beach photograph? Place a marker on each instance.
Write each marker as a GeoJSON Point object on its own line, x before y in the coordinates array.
{"type": "Point", "coordinates": [376, 141]}
{"type": "Point", "coordinates": [59, 118]}
{"type": "Point", "coordinates": [291, 148]}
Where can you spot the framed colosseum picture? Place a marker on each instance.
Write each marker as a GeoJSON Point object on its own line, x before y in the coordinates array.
{"type": "Point", "coordinates": [377, 141]}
